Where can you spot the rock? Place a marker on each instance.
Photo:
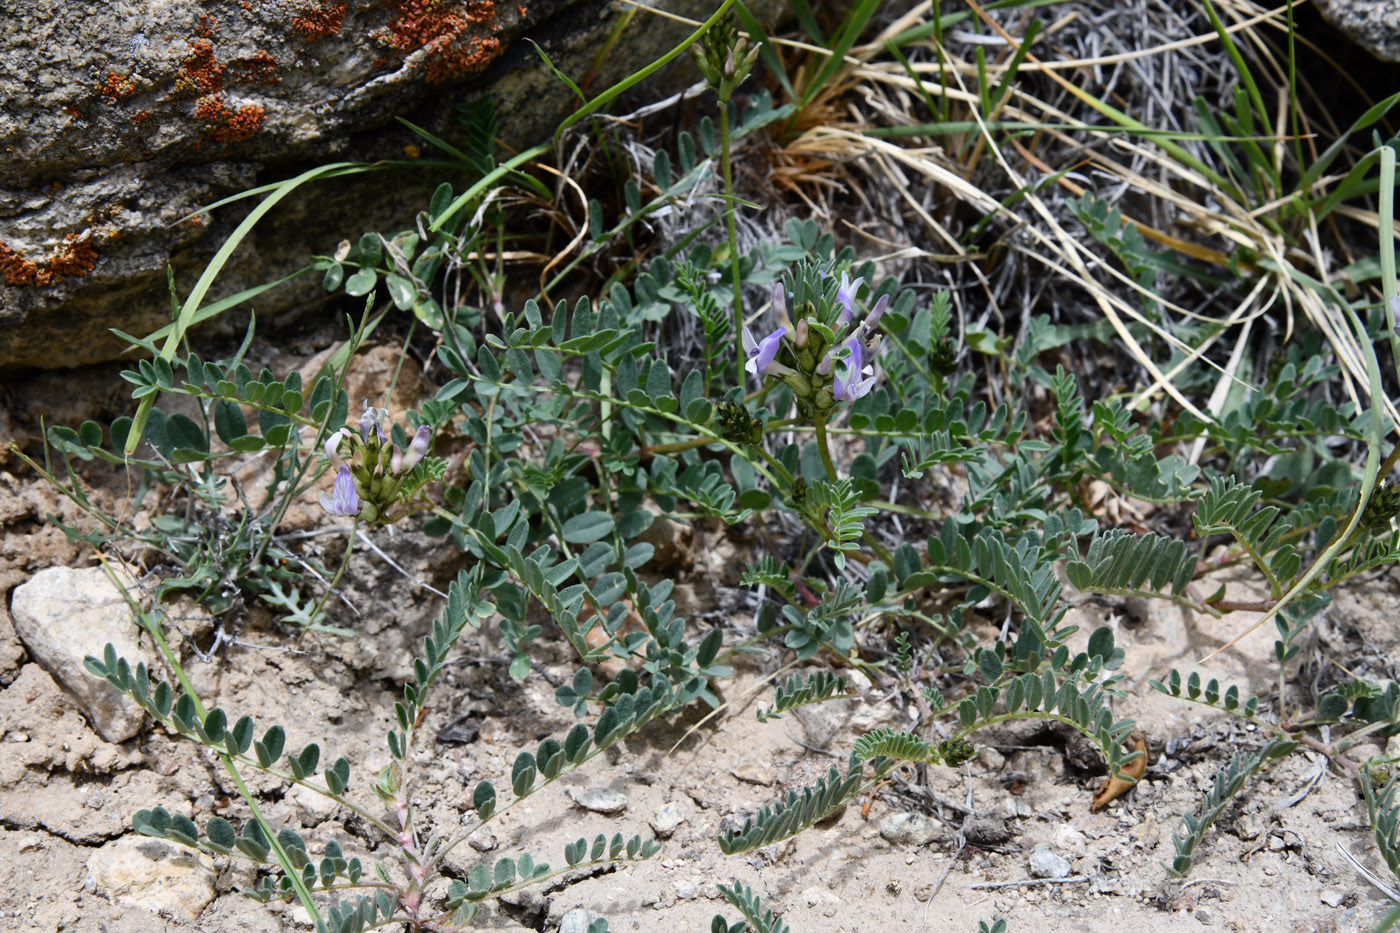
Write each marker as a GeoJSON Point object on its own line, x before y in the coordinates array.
{"type": "Point", "coordinates": [1372, 24]}
{"type": "Point", "coordinates": [313, 808]}
{"type": "Point", "coordinates": [603, 800]}
{"type": "Point", "coordinates": [751, 773]}
{"type": "Point", "coordinates": [909, 829]}
{"type": "Point", "coordinates": [122, 120]}
{"type": "Point", "coordinates": [577, 920]}
{"type": "Point", "coordinates": [1068, 839]}
{"type": "Point", "coordinates": [665, 821]}
{"type": "Point", "coordinates": [153, 874]}
{"type": "Point", "coordinates": [985, 829]}
{"type": "Point", "coordinates": [685, 890]}
{"type": "Point", "coordinates": [483, 841]}
{"type": "Point", "coordinates": [1045, 862]}
{"type": "Point", "coordinates": [823, 722]}
{"type": "Point", "coordinates": [990, 758]}
{"type": "Point", "coordinates": [1333, 897]}
{"type": "Point", "coordinates": [62, 615]}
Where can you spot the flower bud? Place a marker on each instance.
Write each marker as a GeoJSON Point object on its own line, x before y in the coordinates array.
{"type": "Point", "coordinates": [417, 448]}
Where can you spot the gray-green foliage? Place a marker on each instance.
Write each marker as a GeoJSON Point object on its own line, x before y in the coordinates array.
{"type": "Point", "coordinates": [467, 605]}
{"type": "Point", "coordinates": [1228, 782]}
{"type": "Point", "coordinates": [582, 421]}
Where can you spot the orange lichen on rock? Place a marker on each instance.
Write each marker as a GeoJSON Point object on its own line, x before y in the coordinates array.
{"type": "Point", "coordinates": [320, 22]}
{"type": "Point", "coordinates": [447, 33]}
{"type": "Point", "coordinates": [258, 70]}
{"type": "Point", "coordinates": [208, 25]}
{"type": "Point", "coordinates": [224, 124]}
{"type": "Point", "coordinates": [15, 268]}
{"type": "Point", "coordinates": [200, 73]}
{"type": "Point", "coordinates": [116, 88]}
{"type": "Point", "coordinates": [75, 256]}
{"type": "Point", "coordinates": [140, 116]}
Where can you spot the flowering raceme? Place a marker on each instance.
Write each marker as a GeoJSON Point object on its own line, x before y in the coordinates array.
{"type": "Point", "coordinates": [375, 480]}
{"type": "Point", "coordinates": [832, 359]}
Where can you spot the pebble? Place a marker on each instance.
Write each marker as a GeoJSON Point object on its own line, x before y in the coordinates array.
{"type": "Point", "coordinates": [987, 830]}
{"type": "Point", "coordinates": [602, 800]}
{"type": "Point", "coordinates": [909, 829]}
{"type": "Point", "coordinates": [991, 758]}
{"type": "Point", "coordinates": [1070, 840]}
{"type": "Point", "coordinates": [667, 818]}
{"type": "Point", "coordinates": [577, 920]}
{"type": "Point", "coordinates": [1205, 915]}
{"type": "Point", "coordinates": [63, 615]}
{"type": "Point", "coordinates": [153, 874]}
{"type": "Point", "coordinates": [483, 841]}
{"type": "Point", "coordinates": [1045, 862]}
{"type": "Point", "coordinates": [751, 773]}
{"type": "Point", "coordinates": [1333, 897]}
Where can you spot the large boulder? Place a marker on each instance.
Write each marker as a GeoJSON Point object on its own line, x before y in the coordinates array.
{"type": "Point", "coordinates": [118, 121]}
{"type": "Point", "coordinates": [1372, 24]}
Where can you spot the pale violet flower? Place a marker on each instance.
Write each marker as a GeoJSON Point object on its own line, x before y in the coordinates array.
{"type": "Point", "coordinates": [762, 354]}
{"type": "Point", "coordinates": [373, 418]}
{"type": "Point", "coordinates": [343, 500]}
{"type": "Point", "coordinates": [333, 448]}
{"type": "Point", "coordinates": [849, 385]}
{"type": "Point", "coordinates": [417, 448]}
{"type": "Point", "coordinates": [846, 297]}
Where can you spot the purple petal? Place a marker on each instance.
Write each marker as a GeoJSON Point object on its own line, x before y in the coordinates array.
{"type": "Point", "coordinates": [416, 449]}
{"type": "Point", "coordinates": [343, 500]}
{"type": "Point", "coordinates": [846, 297]}
{"type": "Point", "coordinates": [848, 384]}
{"type": "Point", "coordinates": [872, 320]}
{"type": "Point", "coordinates": [763, 354]}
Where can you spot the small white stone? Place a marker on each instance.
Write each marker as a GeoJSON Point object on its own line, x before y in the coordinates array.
{"type": "Point", "coordinates": [577, 920]}
{"type": "Point", "coordinates": [1333, 897]}
{"type": "Point", "coordinates": [155, 875]}
{"type": "Point", "coordinates": [602, 800]}
{"type": "Point", "coordinates": [667, 818]}
{"type": "Point", "coordinates": [1045, 862]}
{"type": "Point", "coordinates": [909, 829]}
{"type": "Point", "coordinates": [63, 615]}
{"type": "Point", "coordinates": [751, 773]}
{"type": "Point", "coordinates": [1070, 840]}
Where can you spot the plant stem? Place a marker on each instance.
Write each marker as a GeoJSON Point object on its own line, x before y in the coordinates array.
{"type": "Point", "coordinates": [340, 572]}
{"type": "Point", "coordinates": [819, 422]}
{"type": "Point", "coordinates": [733, 234]}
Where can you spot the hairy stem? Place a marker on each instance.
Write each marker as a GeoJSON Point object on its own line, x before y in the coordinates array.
{"type": "Point", "coordinates": [733, 234]}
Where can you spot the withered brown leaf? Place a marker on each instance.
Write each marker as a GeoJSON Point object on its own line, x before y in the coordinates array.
{"type": "Point", "coordinates": [1116, 786]}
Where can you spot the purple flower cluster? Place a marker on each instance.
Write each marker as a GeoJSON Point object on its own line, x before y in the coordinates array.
{"type": "Point", "coordinates": [376, 484]}
{"type": "Point", "coordinates": [847, 365]}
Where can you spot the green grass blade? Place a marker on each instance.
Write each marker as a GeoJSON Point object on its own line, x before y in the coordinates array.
{"type": "Point", "coordinates": [211, 271]}
{"type": "Point", "coordinates": [803, 11]}
{"type": "Point", "coordinates": [635, 78]}
{"type": "Point", "coordinates": [1329, 155]}
{"type": "Point", "coordinates": [766, 51]}
{"type": "Point", "coordinates": [851, 28]}
{"type": "Point", "coordinates": [214, 310]}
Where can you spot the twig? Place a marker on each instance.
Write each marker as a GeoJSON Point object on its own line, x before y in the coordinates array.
{"type": "Point", "coordinates": [1369, 875]}
{"type": "Point", "coordinates": [364, 538]}
{"type": "Point", "coordinates": [1077, 879]}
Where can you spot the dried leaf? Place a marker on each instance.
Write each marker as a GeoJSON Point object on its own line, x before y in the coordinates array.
{"type": "Point", "coordinates": [1116, 786]}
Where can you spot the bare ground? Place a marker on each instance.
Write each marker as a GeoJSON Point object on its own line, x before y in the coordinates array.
{"type": "Point", "coordinates": [1272, 862]}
